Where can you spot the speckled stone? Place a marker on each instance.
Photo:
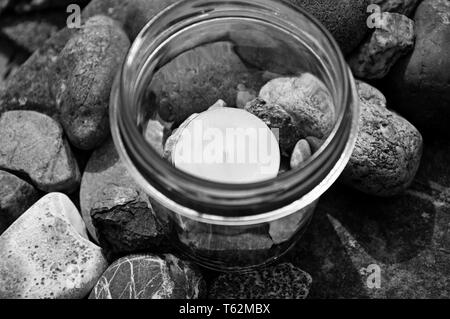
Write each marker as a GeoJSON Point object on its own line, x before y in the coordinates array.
{"type": "Point", "coordinates": [149, 277]}
{"type": "Point", "coordinates": [283, 281]}
{"type": "Point", "coordinates": [46, 254]}
{"type": "Point", "coordinates": [418, 86]}
{"type": "Point", "coordinates": [392, 38]}
{"type": "Point", "coordinates": [16, 196]}
{"type": "Point", "coordinates": [388, 148]}
{"type": "Point", "coordinates": [33, 144]}
{"type": "Point", "coordinates": [124, 218]}
{"type": "Point", "coordinates": [197, 78]}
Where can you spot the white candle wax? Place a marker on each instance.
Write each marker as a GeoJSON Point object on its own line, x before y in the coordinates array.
{"type": "Point", "coordinates": [227, 145]}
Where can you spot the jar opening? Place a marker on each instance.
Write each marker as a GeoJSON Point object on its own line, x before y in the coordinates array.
{"type": "Point", "coordinates": [190, 23]}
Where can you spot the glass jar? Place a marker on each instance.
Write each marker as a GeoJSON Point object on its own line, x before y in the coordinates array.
{"type": "Point", "coordinates": [227, 226]}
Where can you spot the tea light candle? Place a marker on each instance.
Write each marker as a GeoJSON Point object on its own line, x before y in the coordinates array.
{"type": "Point", "coordinates": [227, 145]}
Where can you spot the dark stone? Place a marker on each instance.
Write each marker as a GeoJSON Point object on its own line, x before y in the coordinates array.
{"type": "Point", "coordinates": [283, 281]}
{"type": "Point", "coordinates": [149, 277]}
{"type": "Point", "coordinates": [345, 19]}
{"type": "Point", "coordinates": [197, 78]}
{"type": "Point", "coordinates": [29, 88]}
{"type": "Point", "coordinates": [132, 14]}
{"type": "Point", "coordinates": [117, 212]}
{"type": "Point", "coordinates": [86, 70]}
{"type": "Point", "coordinates": [419, 84]}
{"type": "Point", "coordinates": [16, 196]}
{"type": "Point", "coordinates": [30, 31]}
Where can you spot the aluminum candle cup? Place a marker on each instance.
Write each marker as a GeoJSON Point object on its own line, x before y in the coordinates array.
{"type": "Point", "coordinates": [184, 60]}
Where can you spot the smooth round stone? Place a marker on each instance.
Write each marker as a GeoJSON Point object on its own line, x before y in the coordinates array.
{"type": "Point", "coordinates": [149, 277]}
{"type": "Point", "coordinates": [32, 143]}
{"type": "Point", "coordinates": [283, 281]}
{"type": "Point", "coordinates": [46, 253]}
{"type": "Point", "coordinates": [16, 196]}
{"type": "Point", "coordinates": [302, 151]}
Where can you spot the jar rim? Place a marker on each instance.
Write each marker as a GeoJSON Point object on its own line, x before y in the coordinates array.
{"type": "Point", "coordinates": [232, 204]}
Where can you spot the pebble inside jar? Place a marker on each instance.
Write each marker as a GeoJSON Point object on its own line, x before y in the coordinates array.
{"type": "Point", "coordinates": [245, 117]}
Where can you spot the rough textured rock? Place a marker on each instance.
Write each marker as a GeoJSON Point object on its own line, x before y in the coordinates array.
{"type": "Point", "coordinates": [149, 277]}
{"type": "Point", "coordinates": [405, 7]}
{"type": "Point", "coordinates": [302, 151]}
{"type": "Point", "coordinates": [277, 118]}
{"type": "Point", "coordinates": [32, 144]}
{"type": "Point", "coordinates": [29, 87]}
{"type": "Point", "coordinates": [125, 221]}
{"type": "Point", "coordinates": [306, 100]}
{"type": "Point", "coordinates": [419, 84]}
{"type": "Point", "coordinates": [86, 70]}
{"type": "Point", "coordinates": [46, 254]}
{"type": "Point", "coordinates": [388, 149]}
{"type": "Point", "coordinates": [345, 19]}
{"type": "Point", "coordinates": [197, 78]}
{"type": "Point", "coordinates": [284, 281]}
{"type": "Point", "coordinates": [16, 196]}
{"type": "Point", "coordinates": [30, 31]}
{"type": "Point", "coordinates": [392, 38]}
